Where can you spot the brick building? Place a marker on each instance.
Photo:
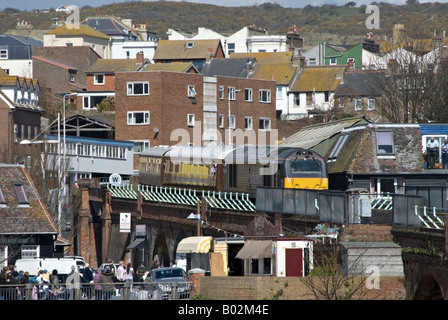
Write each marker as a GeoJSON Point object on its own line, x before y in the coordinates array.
{"type": "Point", "coordinates": [61, 70]}
{"type": "Point", "coordinates": [169, 108]}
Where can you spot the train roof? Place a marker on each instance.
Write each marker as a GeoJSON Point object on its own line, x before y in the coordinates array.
{"type": "Point", "coordinates": [265, 154]}
{"type": "Point", "coordinates": [249, 154]}
{"type": "Point", "coordinates": [190, 154]}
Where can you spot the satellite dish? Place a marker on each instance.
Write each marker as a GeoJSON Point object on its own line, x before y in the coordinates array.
{"type": "Point", "coordinates": [156, 130]}
{"type": "Point", "coordinates": [20, 159]}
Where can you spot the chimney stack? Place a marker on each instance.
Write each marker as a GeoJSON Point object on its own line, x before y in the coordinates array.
{"type": "Point", "coordinates": [140, 57]}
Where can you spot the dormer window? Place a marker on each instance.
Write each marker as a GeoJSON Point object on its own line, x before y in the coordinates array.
{"type": "Point", "coordinates": [385, 142]}
{"type": "Point", "coordinates": [189, 45]}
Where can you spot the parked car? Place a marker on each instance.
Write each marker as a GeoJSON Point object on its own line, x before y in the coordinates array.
{"type": "Point", "coordinates": [163, 279]}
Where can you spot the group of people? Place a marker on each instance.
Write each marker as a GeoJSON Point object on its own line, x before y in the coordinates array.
{"type": "Point", "coordinates": [432, 153]}
{"type": "Point", "coordinates": [47, 286]}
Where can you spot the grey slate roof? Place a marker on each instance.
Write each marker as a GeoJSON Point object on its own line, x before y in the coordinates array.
{"type": "Point", "coordinates": [19, 218]}
{"type": "Point", "coordinates": [228, 67]}
{"type": "Point", "coordinates": [110, 26]}
{"type": "Point", "coordinates": [19, 47]}
{"type": "Point", "coordinates": [361, 83]}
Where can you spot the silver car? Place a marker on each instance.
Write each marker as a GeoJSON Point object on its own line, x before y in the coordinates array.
{"type": "Point", "coordinates": [164, 279]}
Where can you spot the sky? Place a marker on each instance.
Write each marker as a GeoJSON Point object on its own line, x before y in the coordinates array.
{"type": "Point", "coordinates": [47, 4]}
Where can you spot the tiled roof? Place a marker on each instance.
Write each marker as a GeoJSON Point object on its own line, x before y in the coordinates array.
{"type": "Point", "coordinates": [8, 80]}
{"type": "Point", "coordinates": [55, 63]}
{"type": "Point", "coordinates": [178, 49]}
{"type": "Point", "coordinates": [282, 73]}
{"type": "Point", "coordinates": [173, 67]}
{"type": "Point", "coordinates": [318, 78]}
{"type": "Point", "coordinates": [262, 57]}
{"type": "Point", "coordinates": [83, 30]}
{"type": "Point", "coordinates": [114, 65]}
{"type": "Point", "coordinates": [22, 218]}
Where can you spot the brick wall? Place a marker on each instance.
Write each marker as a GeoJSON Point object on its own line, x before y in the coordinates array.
{"type": "Point", "coordinates": [366, 232]}
{"type": "Point", "coordinates": [287, 288]}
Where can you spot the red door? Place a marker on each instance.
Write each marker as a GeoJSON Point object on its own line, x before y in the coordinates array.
{"type": "Point", "coordinates": [294, 263]}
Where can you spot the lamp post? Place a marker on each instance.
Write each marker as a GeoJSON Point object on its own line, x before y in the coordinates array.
{"type": "Point", "coordinates": [197, 217]}
{"type": "Point", "coordinates": [62, 172]}
{"type": "Point", "coordinates": [228, 99]}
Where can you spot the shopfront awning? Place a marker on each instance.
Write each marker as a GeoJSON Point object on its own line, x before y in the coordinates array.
{"type": "Point", "coordinates": [255, 249]}
{"type": "Point", "coordinates": [137, 244]}
{"type": "Point", "coordinates": [194, 245]}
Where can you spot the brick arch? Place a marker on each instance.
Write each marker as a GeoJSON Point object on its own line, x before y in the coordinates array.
{"type": "Point", "coordinates": [428, 289]}
{"type": "Point", "coordinates": [160, 251]}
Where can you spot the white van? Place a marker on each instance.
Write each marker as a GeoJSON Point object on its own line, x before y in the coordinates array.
{"type": "Point", "coordinates": [62, 265]}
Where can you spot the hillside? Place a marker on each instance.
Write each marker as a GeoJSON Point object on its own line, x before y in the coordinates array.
{"type": "Point", "coordinates": [341, 24]}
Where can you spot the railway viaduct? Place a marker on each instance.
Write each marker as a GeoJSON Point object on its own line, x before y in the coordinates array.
{"type": "Point", "coordinates": [159, 217]}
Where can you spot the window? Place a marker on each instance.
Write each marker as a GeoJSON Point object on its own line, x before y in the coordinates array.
{"type": "Point", "coordinates": [98, 79]}
{"type": "Point", "coordinates": [312, 61]}
{"type": "Point", "coordinates": [265, 124]}
{"type": "Point", "coordinates": [30, 251]}
{"type": "Point", "coordinates": [189, 45]}
{"type": "Point", "coordinates": [232, 93]}
{"type": "Point", "coordinates": [371, 104]}
{"type": "Point", "coordinates": [230, 48]}
{"type": "Point", "coordinates": [279, 94]}
{"type": "Point", "coordinates": [384, 142]}
{"type": "Point", "coordinates": [2, 198]}
{"type": "Point", "coordinates": [309, 98]}
{"type": "Point", "coordinates": [358, 104]}
{"type": "Point", "coordinates": [232, 122]}
{"type": "Point", "coordinates": [191, 91]}
{"type": "Point", "coordinates": [4, 54]}
{"type": "Point", "coordinates": [86, 103]}
{"type": "Point", "coordinates": [248, 123]}
{"type": "Point", "coordinates": [138, 88]}
{"type": "Point", "coordinates": [138, 118]}
{"type": "Point", "coordinates": [221, 121]}
{"type": "Point", "coordinates": [20, 193]}
{"type": "Point", "coordinates": [265, 96]}
{"type": "Point", "coordinates": [139, 146]}
{"type": "Point", "coordinates": [333, 61]}
{"type": "Point", "coordinates": [190, 120]}
{"type": "Point", "coordinates": [221, 92]}
{"type": "Point", "coordinates": [248, 94]}
{"type": "Point", "coordinates": [351, 62]}
{"type": "Point", "coordinates": [337, 148]}
{"type": "Point", "coordinates": [341, 102]}
{"type": "Point", "coordinates": [327, 96]}
{"type": "Point", "coordinates": [296, 99]}
{"type": "Point", "coordinates": [72, 77]}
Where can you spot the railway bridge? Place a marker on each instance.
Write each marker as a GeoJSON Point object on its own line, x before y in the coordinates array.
{"type": "Point", "coordinates": [143, 223]}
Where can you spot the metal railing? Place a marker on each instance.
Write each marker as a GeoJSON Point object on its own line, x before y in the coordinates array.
{"type": "Point", "coordinates": [430, 217]}
{"type": "Point", "coordinates": [93, 291]}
